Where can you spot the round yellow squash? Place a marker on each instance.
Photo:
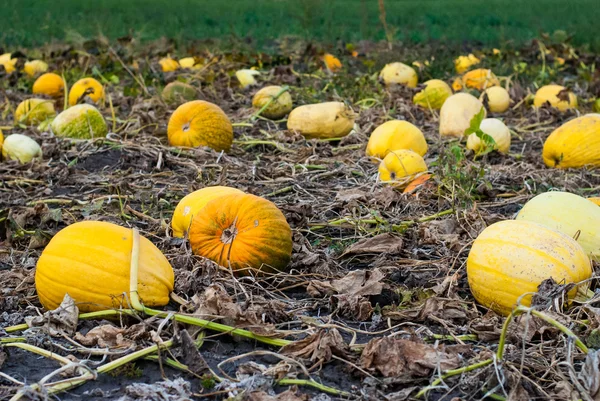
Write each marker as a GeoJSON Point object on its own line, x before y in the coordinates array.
{"type": "Point", "coordinates": [456, 114]}
{"type": "Point", "coordinates": [34, 111]}
{"type": "Point", "coordinates": [434, 95]}
{"type": "Point", "coordinates": [568, 213]}
{"type": "Point", "coordinates": [179, 92]}
{"type": "Point", "coordinates": [497, 130]}
{"type": "Point", "coordinates": [322, 120]}
{"type": "Point", "coordinates": [395, 135]}
{"type": "Point", "coordinates": [511, 258]}
{"type": "Point", "coordinates": [192, 203]}
{"type": "Point", "coordinates": [278, 107]}
{"type": "Point", "coordinates": [498, 99]}
{"type": "Point", "coordinates": [200, 123]}
{"type": "Point", "coordinates": [86, 87]}
{"type": "Point", "coordinates": [480, 79]}
{"type": "Point", "coordinates": [399, 73]}
{"type": "Point", "coordinates": [400, 167]}
{"type": "Point", "coordinates": [90, 260]}
{"type": "Point", "coordinates": [49, 84]}
{"type": "Point", "coordinates": [550, 94]}
{"type": "Point", "coordinates": [574, 144]}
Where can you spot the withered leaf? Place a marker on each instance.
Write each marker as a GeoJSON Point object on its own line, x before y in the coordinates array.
{"type": "Point", "coordinates": [60, 321]}
{"type": "Point", "coordinates": [350, 195]}
{"type": "Point", "coordinates": [109, 336]}
{"type": "Point", "coordinates": [590, 373]}
{"type": "Point", "coordinates": [318, 347]}
{"type": "Point", "coordinates": [382, 243]}
{"type": "Point", "coordinates": [191, 355]}
{"type": "Point", "coordinates": [360, 282]}
{"type": "Point", "coordinates": [288, 395]}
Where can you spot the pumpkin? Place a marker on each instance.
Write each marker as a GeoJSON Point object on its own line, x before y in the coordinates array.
{"type": "Point", "coordinates": [278, 108]}
{"type": "Point", "coordinates": [576, 143]}
{"type": "Point", "coordinates": [49, 84]}
{"type": "Point", "coordinates": [90, 261]}
{"type": "Point", "coordinates": [187, 62]}
{"type": "Point", "coordinates": [399, 73]}
{"type": "Point", "coordinates": [595, 199]}
{"type": "Point", "coordinates": [400, 167]}
{"type": "Point", "coordinates": [178, 92]}
{"type": "Point", "coordinates": [322, 120]}
{"type": "Point", "coordinates": [242, 231]}
{"type": "Point", "coordinates": [20, 147]}
{"type": "Point", "coordinates": [456, 114]}
{"type": "Point", "coordinates": [82, 121]}
{"type": "Point", "coordinates": [8, 62]}
{"type": "Point", "coordinates": [498, 99]}
{"type": "Point", "coordinates": [511, 258]}
{"type": "Point", "coordinates": [35, 67]}
{"type": "Point", "coordinates": [167, 64]}
{"type": "Point", "coordinates": [394, 135]}
{"type": "Point", "coordinates": [497, 130]}
{"type": "Point", "coordinates": [200, 123]}
{"type": "Point", "coordinates": [556, 96]}
{"type": "Point", "coordinates": [480, 79]}
{"type": "Point", "coordinates": [332, 63]}
{"type": "Point", "coordinates": [246, 77]}
{"type": "Point", "coordinates": [434, 95]}
{"type": "Point", "coordinates": [34, 111]}
{"type": "Point", "coordinates": [463, 63]}
{"type": "Point", "coordinates": [571, 214]}
{"type": "Point", "coordinates": [86, 87]}
{"type": "Point", "coordinates": [192, 203]}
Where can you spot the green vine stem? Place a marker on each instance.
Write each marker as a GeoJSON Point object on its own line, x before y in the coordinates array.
{"type": "Point", "coordinates": [454, 372]}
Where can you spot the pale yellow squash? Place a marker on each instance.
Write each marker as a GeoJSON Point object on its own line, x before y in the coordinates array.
{"type": "Point", "coordinates": [322, 120]}
{"type": "Point", "coordinates": [434, 95]}
{"type": "Point", "coordinates": [498, 99]}
{"type": "Point", "coordinates": [497, 130]}
{"type": "Point", "coordinates": [456, 114]}
{"type": "Point", "coordinates": [399, 74]}
{"type": "Point", "coordinates": [549, 94]}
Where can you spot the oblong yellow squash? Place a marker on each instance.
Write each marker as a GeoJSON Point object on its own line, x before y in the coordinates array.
{"type": "Point", "coordinates": [457, 112]}
{"type": "Point", "coordinates": [576, 143]}
{"type": "Point", "coordinates": [322, 120]}
{"type": "Point", "coordinates": [400, 167]}
{"type": "Point", "coordinates": [550, 94]}
{"type": "Point", "coordinates": [395, 135]}
{"type": "Point", "coordinates": [90, 260]}
{"type": "Point", "coordinates": [191, 204]}
{"type": "Point", "coordinates": [511, 258]}
{"type": "Point", "coordinates": [434, 95]}
{"type": "Point", "coordinates": [497, 130]}
{"type": "Point", "coordinates": [571, 214]}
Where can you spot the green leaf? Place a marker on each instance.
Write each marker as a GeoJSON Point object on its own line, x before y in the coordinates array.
{"type": "Point", "coordinates": [475, 122]}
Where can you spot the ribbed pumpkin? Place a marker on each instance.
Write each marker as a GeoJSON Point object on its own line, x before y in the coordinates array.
{"type": "Point", "coordinates": [34, 111]}
{"type": "Point", "coordinates": [395, 135]}
{"type": "Point", "coordinates": [90, 261]}
{"type": "Point", "coordinates": [571, 214]}
{"type": "Point", "coordinates": [322, 120]}
{"type": "Point", "coordinates": [191, 204]}
{"type": "Point", "coordinates": [456, 114]}
{"type": "Point", "coordinates": [399, 73]}
{"type": "Point", "coordinates": [400, 167]}
{"type": "Point", "coordinates": [178, 92]}
{"type": "Point", "coordinates": [497, 130]}
{"type": "Point", "coordinates": [498, 99]}
{"type": "Point", "coordinates": [242, 231]}
{"type": "Point", "coordinates": [550, 94]}
{"type": "Point", "coordinates": [480, 79]}
{"type": "Point", "coordinates": [511, 258]}
{"type": "Point", "coordinates": [576, 143]}
{"type": "Point", "coordinates": [200, 123]}
{"type": "Point", "coordinates": [434, 95]}
{"type": "Point", "coordinates": [49, 84]}
{"type": "Point", "coordinates": [278, 107]}
{"type": "Point", "coordinates": [88, 86]}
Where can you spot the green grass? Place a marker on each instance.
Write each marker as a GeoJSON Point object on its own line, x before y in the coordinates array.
{"type": "Point", "coordinates": [488, 22]}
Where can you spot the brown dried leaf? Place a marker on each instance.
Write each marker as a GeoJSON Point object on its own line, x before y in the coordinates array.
{"type": "Point", "coordinates": [60, 321]}
{"type": "Point", "coordinates": [360, 282]}
{"type": "Point", "coordinates": [355, 307]}
{"type": "Point", "coordinates": [318, 347]}
{"type": "Point", "coordinates": [350, 195]}
{"type": "Point", "coordinates": [382, 243]}
{"type": "Point", "coordinates": [288, 395]}
{"type": "Point", "coordinates": [191, 356]}
{"type": "Point", "coordinates": [394, 357]}
{"type": "Point", "coordinates": [109, 336]}
{"type": "Point", "coordinates": [590, 373]}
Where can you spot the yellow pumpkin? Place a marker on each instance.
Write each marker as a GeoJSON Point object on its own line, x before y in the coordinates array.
{"type": "Point", "coordinates": [278, 107]}
{"type": "Point", "coordinates": [399, 73]}
{"type": "Point", "coordinates": [574, 144]}
{"type": "Point", "coordinates": [511, 258]}
{"type": "Point", "coordinates": [200, 123]}
{"type": "Point", "coordinates": [34, 111]}
{"type": "Point", "coordinates": [178, 92]}
{"type": "Point", "coordinates": [88, 87]}
{"type": "Point", "coordinates": [551, 93]}
{"type": "Point", "coordinates": [568, 213]}
{"type": "Point", "coordinates": [90, 260]}
{"type": "Point", "coordinates": [400, 167]}
{"type": "Point", "coordinates": [8, 62]}
{"type": "Point", "coordinates": [191, 204]}
{"type": "Point", "coordinates": [395, 135]}
{"type": "Point", "coordinates": [497, 130]}
{"type": "Point", "coordinates": [187, 62]}
{"type": "Point", "coordinates": [595, 199]}
{"type": "Point", "coordinates": [322, 120]}
{"type": "Point", "coordinates": [434, 95]}
{"type": "Point", "coordinates": [463, 63]}
{"type": "Point", "coordinates": [1, 139]}
{"type": "Point", "coordinates": [498, 99]}
{"type": "Point", "coordinates": [168, 64]}
{"type": "Point", "coordinates": [49, 84]}
{"type": "Point", "coordinates": [242, 231]}
{"type": "Point", "coordinates": [456, 114]}
{"type": "Point", "coordinates": [480, 79]}
{"type": "Point", "coordinates": [35, 67]}
{"type": "Point", "coordinates": [332, 63]}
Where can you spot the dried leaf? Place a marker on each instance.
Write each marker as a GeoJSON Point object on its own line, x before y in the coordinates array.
{"type": "Point", "coordinates": [590, 373]}
{"type": "Point", "coordinates": [109, 336]}
{"type": "Point", "coordinates": [288, 395]}
{"type": "Point", "coordinates": [360, 282]}
{"type": "Point", "coordinates": [191, 355]}
{"type": "Point", "coordinates": [60, 321]}
{"type": "Point", "coordinates": [167, 390]}
{"type": "Point", "coordinates": [382, 243]}
{"type": "Point", "coordinates": [318, 347]}
{"type": "Point", "coordinates": [350, 195]}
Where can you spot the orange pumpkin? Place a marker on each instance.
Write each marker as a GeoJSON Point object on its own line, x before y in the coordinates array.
{"type": "Point", "coordinates": [50, 84]}
{"type": "Point", "coordinates": [243, 231]}
{"type": "Point", "coordinates": [200, 123]}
